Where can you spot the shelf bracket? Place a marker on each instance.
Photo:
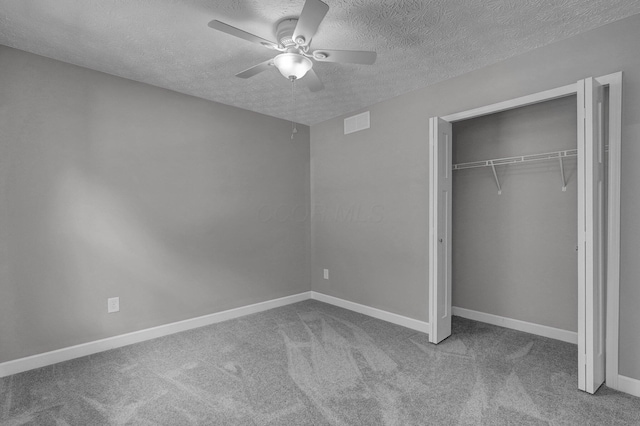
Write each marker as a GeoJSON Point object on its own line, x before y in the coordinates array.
{"type": "Point", "coordinates": [564, 183]}
{"type": "Point", "coordinates": [495, 175]}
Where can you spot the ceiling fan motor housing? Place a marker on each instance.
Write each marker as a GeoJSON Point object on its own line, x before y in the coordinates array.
{"type": "Point", "coordinates": [284, 32]}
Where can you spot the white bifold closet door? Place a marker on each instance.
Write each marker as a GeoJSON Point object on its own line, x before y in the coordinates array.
{"type": "Point", "coordinates": [440, 197]}
{"type": "Point", "coordinates": [591, 269]}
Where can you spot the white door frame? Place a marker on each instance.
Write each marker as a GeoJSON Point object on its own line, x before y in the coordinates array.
{"type": "Point", "coordinates": [614, 82]}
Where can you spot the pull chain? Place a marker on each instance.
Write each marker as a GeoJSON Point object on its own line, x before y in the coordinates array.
{"type": "Point", "coordinates": [293, 97]}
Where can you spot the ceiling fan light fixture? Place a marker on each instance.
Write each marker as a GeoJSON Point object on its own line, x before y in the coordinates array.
{"type": "Point", "coordinates": [292, 65]}
{"type": "Point", "coordinates": [293, 39]}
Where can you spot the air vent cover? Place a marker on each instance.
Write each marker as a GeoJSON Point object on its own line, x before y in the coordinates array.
{"type": "Point", "coordinates": [357, 122]}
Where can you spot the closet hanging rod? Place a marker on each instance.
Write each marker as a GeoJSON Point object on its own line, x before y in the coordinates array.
{"type": "Point", "coordinates": [520, 159]}
{"type": "Point", "coordinates": [559, 155]}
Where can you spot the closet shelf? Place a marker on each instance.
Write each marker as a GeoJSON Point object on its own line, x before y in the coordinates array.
{"type": "Point", "coordinates": [559, 155]}
{"type": "Point", "coordinates": [520, 159]}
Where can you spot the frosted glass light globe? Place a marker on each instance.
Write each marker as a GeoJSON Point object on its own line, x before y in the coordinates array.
{"type": "Point", "coordinates": [292, 65]}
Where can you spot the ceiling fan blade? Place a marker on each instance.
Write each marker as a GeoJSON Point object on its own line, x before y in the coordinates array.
{"type": "Point", "coordinates": [346, 56]}
{"type": "Point", "coordinates": [312, 81]}
{"type": "Point", "coordinates": [313, 12]}
{"type": "Point", "coordinates": [226, 28]}
{"type": "Point", "coordinates": [256, 69]}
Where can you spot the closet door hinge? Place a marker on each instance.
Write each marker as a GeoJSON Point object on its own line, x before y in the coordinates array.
{"type": "Point", "coordinates": [582, 113]}
{"type": "Point", "coordinates": [582, 360]}
{"type": "Point", "coordinates": [582, 239]}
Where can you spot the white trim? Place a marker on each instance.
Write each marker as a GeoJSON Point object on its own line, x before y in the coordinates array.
{"type": "Point", "coordinates": [624, 384]}
{"type": "Point", "coordinates": [411, 323]}
{"type": "Point", "coordinates": [41, 360]}
{"type": "Point", "coordinates": [628, 385]}
{"type": "Point", "coordinates": [48, 358]}
{"type": "Point", "coordinates": [527, 327]}
{"type": "Point", "coordinates": [547, 95]}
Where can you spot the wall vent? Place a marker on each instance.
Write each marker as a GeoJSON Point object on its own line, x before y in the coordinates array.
{"type": "Point", "coordinates": [356, 123]}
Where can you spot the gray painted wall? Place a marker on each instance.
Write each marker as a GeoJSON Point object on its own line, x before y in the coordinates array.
{"type": "Point", "coordinates": [514, 254]}
{"type": "Point", "coordinates": [383, 263]}
{"type": "Point", "coordinates": [110, 187]}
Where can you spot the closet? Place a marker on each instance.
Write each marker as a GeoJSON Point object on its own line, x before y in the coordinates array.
{"type": "Point", "coordinates": [532, 182]}
{"type": "Point", "coordinates": [515, 216]}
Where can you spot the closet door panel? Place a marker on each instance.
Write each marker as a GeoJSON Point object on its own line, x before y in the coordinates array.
{"type": "Point", "coordinates": [591, 268]}
{"type": "Point", "coordinates": [440, 198]}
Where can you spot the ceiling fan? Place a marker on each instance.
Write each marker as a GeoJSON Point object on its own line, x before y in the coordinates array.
{"type": "Point", "coordinates": [294, 37]}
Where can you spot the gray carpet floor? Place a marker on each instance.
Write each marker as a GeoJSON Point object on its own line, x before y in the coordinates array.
{"type": "Point", "coordinates": [316, 364]}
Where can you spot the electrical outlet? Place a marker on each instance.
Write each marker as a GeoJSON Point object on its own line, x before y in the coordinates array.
{"type": "Point", "coordinates": [326, 274]}
{"type": "Point", "coordinates": [113, 304]}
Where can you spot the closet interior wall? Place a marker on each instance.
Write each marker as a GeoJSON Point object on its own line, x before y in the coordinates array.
{"type": "Point", "coordinates": [514, 254]}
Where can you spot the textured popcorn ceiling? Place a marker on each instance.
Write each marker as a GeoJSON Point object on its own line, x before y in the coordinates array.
{"type": "Point", "coordinates": [167, 43]}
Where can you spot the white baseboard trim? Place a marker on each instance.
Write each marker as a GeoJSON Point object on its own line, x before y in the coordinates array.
{"type": "Point", "coordinates": [411, 323]}
{"type": "Point", "coordinates": [629, 385]}
{"type": "Point", "coordinates": [41, 360]}
{"type": "Point", "coordinates": [527, 327]}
